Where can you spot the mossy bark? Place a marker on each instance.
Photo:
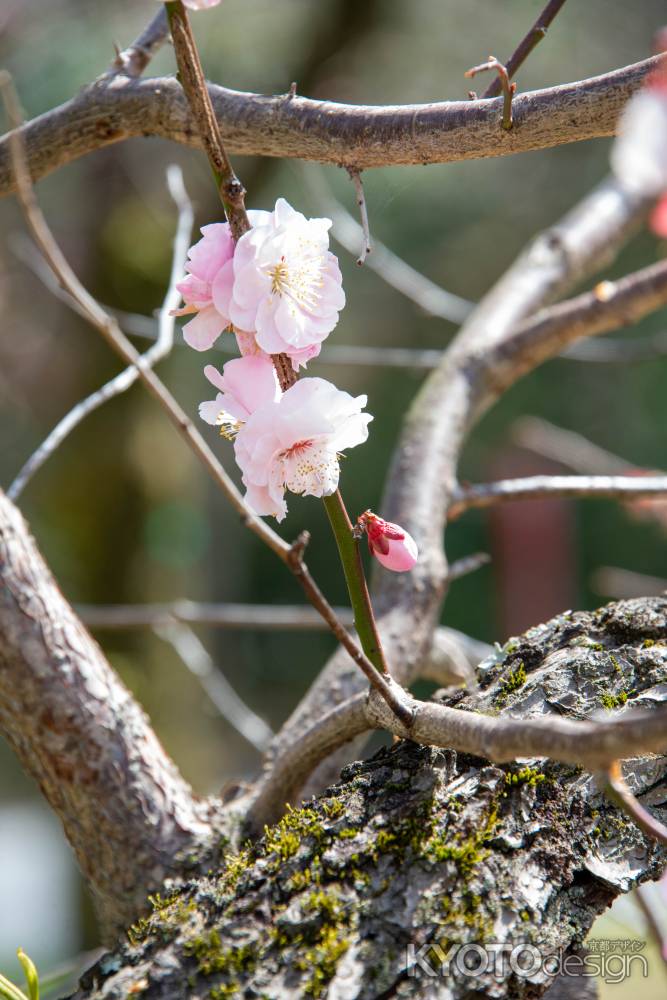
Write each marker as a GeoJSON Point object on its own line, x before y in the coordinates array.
{"type": "Point", "coordinates": [420, 851]}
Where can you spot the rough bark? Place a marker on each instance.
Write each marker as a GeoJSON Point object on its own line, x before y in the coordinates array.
{"type": "Point", "coordinates": [361, 136]}
{"type": "Point", "coordinates": [130, 817]}
{"type": "Point", "coordinates": [423, 846]}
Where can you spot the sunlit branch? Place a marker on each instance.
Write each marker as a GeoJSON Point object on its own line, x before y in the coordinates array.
{"type": "Point", "coordinates": [545, 487]}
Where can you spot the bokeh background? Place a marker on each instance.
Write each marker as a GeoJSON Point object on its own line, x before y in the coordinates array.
{"type": "Point", "coordinates": [124, 513]}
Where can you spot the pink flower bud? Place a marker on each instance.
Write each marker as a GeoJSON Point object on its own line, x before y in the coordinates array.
{"type": "Point", "coordinates": [389, 543]}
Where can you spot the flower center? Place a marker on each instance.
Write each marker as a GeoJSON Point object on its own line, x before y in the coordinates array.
{"type": "Point", "coordinates": [229, 425]}
{"type": "Point", "coordinates": [300, 277]}
{"type": "Point", "coordinates": [309, 467]}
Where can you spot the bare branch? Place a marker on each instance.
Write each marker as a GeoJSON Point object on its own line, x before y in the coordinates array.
{"type": "Point", "coordinates": [544, 487]}
{"type": "Point", "coordinates": [426, 294]}
{"type": "Point", "coordinates": [258, 617]}
{"type": "Point", "coordinates": [360, 136]}
{"type": "Point", "coordinates": [115, 337]}
{"type": "Point", "coordinates": [592, 745]}
{"type": "Point", "coordinates": [191, 650]}
{"type": "Point", "coordinates": [291, 555]}
{"type": "Point", "coordinates": [122, 382]}
{"type": "Point", "coordinates": [619, 352]}
{"type": "Point", "coordinates": [77, 730]}
{"type": "Point", "coordinates": [355, 177]}
{"type": "Point", "coordinates": [478, 729]}
{"type": "Point", "coordinates": [133, 60]}
{"type": "Point", "coordinates": [527, 44]}
{"type": "Point", "coordinates": [618, 790]}
{"type": "Point", "coordinates": [488, 355]}
{"type": "Point", "coordinates": [567, 447]}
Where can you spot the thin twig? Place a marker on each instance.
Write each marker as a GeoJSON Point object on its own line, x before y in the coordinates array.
{"type": "Point", "coordinates": [114, 336]}
{"type": "Point", "coordinates": [430, 297]}
{"type": "Point", "coordinates": [508, 88]}
{"type": "Point", "coordinates": [162, 347]}
{"type": "Point", "coordinates": [192, 651]}
{"type": "Point", "coordinates": [133, 60]}
{"type": "Point", "coordinates": [192, 79]}
{"type": "Point", "coordinates": [231, 190]}
{"type": "Point", "coordinates": [545, 487]}
{"type": "Point", "coordinates": [567, 447]}
{"type": "Point", "coordinates": [617, 789]}
{"type": "Point", "coordinates": [467, 564]}
{"type": "Point", "coordinates": [355, 177]}
{"type": "Point", "coordinates": [526, 45]}
{"type": "Point", "coordinates": [257, 617]}
{"type": "Point", "coordinates": [292, 555]}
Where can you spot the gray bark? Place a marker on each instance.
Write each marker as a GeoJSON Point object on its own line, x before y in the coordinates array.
{"type": "Point", "coordinates": [422, 846]}
{"type": "Point", "coordinates": [129, 815]}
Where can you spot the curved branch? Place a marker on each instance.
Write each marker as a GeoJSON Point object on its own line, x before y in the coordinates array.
{"type": "Point", "coordinates": [360, 136]}
{"type": "Point", "coordinates": [79, 733]}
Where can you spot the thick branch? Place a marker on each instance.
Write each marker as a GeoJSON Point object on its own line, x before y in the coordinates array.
{"type": "Point", "coordinates": [431, 847]}
{"type": "Point", "coordinates": [79, 733]}
{"type": "Point", "coordinates": [359, 136]}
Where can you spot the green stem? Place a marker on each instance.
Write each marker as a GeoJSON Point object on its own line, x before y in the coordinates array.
{"type": "Point", "coordinates": [350, 557]}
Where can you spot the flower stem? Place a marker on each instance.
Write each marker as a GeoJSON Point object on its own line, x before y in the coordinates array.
{"type": "Point", "coordinates": [193, 82]}
{"type": "Point", "coordinates": [350, 557]}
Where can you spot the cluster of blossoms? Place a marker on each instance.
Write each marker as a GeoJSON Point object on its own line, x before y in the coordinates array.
{"type": "Point", "coordinates": [639, 154]}
{"type": "Point", "coordinates": [279, 289]}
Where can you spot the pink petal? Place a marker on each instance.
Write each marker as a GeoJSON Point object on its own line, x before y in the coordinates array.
{"type": "Point", "coordinates": [203, 331]}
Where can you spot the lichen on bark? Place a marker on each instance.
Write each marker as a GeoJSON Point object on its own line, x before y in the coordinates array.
{"type": "Point", "coordinates": [427, 849]}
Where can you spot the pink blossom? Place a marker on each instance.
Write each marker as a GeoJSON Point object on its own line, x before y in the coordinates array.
{"type": "Point", "coordinates": [207, 289]}
{"type": "Point", "coordinates": [294, 443]}
{"type": "Point", "coordinates": [245, 384]}
{"type": "Point", "coordinates": [639, 154]}
{"type": "Point", "coordinates": [389, 543]}
{"type": "Point", "coordinates": [287, 285]}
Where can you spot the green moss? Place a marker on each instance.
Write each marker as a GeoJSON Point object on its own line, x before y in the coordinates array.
{"type": "Point", "coordinates": [333, 808]}
{"type": "Point", "coordinates": [515, 679]}
{"type": "Point", "coordinates": [611, 701]}
{"type": "Point", "coordinates": [284, 839]}
{"type": "Point", "coordinates": [322, 959]}
{"type": "Point", "coordinates": [235, 866]}
{"type": "Point", "coordinates": [465, 852]}
{"type": "Point", "coordinates": [526, 776]}
{"type": "Point", "coordinates": [213, 959]}
{"type": "Point", "coordinates": [347, 834]}
{"type": "Point", "coordinates": [169, 913]}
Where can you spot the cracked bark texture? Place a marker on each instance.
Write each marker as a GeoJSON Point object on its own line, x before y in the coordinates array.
{"type": "Point", "coordinates": [424, 846]}
{"type": "Point", "coordinates": [362, 136]}
{"type": "Point", "coordinates": [130, 817]}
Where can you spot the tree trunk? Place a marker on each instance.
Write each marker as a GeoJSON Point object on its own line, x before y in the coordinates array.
{"type": "Point", "coordinates": [374, 889]}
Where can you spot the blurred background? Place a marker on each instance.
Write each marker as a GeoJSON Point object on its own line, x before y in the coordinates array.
{"type": "Point", "coordinates": [123, 512]}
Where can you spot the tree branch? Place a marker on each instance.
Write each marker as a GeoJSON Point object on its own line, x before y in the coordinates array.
{"type": "Point", "coordinates": [127, 812]}
{"type": "Point", "coordinates": [543, 487]}
{"type": "Point", "coordinates": [354, 135]}
{"type": "Point", "coordinates": [526, 45]}
{"type": "Point", "coordinates": [133, 60]}
{"type": "Point", "coordinates": [125, 379]}
{"type": "Point", "coordinates": [487, 356]}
